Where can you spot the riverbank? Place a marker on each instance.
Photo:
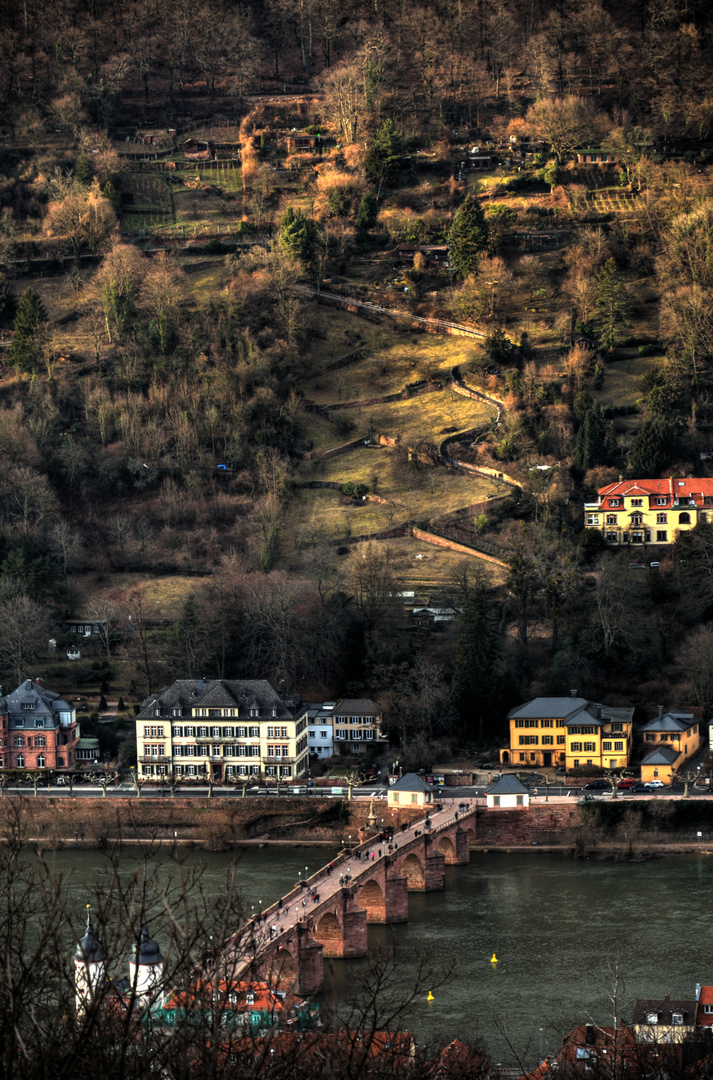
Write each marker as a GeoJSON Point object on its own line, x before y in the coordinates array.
{"type": "Point", "coordinates": [599, 830]}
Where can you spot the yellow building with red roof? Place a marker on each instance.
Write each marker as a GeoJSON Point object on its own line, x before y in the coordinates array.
{"type": "Point", "coordinates": [649, 511]}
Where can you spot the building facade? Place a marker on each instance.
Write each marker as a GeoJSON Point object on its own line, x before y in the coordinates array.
{"type": "Point", "coordinates": [569, 732]}
{"type": "Point", "coordinates": [320, 729]}
{"type": "Point", "coordinates": [39, 729]}
{"type": "Point", "coordinates": [671, 739]}
{"type": "Point", "coordinates": [222, 729]}
{"type": "Point", "coordinates": [357, 725]}
{"type": "Point", "coordinates": [649, 511]}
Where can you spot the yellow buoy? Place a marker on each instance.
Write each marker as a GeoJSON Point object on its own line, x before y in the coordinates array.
{"type": "Point", "coordinates": [430, 996]}
{"type": "Point", "coordinates": [493, 959]}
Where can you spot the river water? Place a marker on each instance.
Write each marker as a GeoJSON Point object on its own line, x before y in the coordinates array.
{"type": "Point", "coordinates": [559, 929]}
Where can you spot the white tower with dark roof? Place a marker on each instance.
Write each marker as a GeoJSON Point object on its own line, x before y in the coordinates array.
{"type": "Point", "coordinates": [146, 967]}
{"type": "Point", "coordinates": [89, 969]}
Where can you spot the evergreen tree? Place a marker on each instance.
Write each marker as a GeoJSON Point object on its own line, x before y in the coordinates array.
{"type": "Point", "coordinates": [611, 305]}
{"type": "Point", "coordinates": [383, 156]}
{"type": "Point", "coordinates": [297, 235]}
{"type": "Point", "coordinates": [26, 348]}
{"type": "Point", "coordinates": [83, 171]}
{"type": "Point", "coordinates": [592, 446]}
{"type": "Point", "coordinates": [367, 212]}
{"type": "Point", "coordinates": [477, 654]}
{"type": "Point", "coordinates": [468, 237]}
{"type": "Point", "coordinates": [654, 447]}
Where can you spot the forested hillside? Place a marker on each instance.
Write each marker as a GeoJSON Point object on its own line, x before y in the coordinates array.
{"type": "Point", "coordinates": [210, 446]}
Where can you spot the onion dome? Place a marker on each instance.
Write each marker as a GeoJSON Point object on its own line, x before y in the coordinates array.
{"type": "Point", "coordinates": [89, 949]}
{"type": "Point", "coordinates": [146, 951]}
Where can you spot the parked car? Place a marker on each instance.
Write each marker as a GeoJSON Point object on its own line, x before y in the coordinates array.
{"type": "Point", "coordinates": [639, 788]}
{"type": "Point", "coordinates": [626, 783]}
{"type": "Point", "coordinates": [655, 783]}
{"type": "Point", "coordinates": [597, 785]}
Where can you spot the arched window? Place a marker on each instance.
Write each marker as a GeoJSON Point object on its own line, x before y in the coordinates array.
{"type": "Point", "coordinates": [684, 519]}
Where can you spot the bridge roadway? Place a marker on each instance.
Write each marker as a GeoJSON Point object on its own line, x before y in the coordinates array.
{"type": "Point", "coordinates": [327, 915]}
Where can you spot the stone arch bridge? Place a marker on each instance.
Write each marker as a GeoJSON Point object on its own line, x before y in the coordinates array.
{"type": "Point", "coordinates": [286, 944]}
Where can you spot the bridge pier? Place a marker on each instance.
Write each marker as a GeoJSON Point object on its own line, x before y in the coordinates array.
{"type": "Point", "coordinates": [435, 873]}
{"type": "Point", "coordinates": [310, 969]}
{"type": "Point", "coordinates": [462, 847]}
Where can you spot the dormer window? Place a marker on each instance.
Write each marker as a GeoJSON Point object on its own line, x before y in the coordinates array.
{"type": "Point", "coordinates": [637, 502]}
{"type": "Point", "coordinates": [250, 998]}
{"type": "Point", "coordinates": [28, 704]}
{"type": "Point", "coordinates": [157, 712]}
{"type": "Point", "coordinates": [615, 502]}
{"type": "Point", "coordinates": [708, 1010]}
{"type": "Point", "coordinates": [677, 1018]}
{"type": "Point", "coordinates": [652, 1018]}
{"type": "Point", "coordinates": [661, 502]}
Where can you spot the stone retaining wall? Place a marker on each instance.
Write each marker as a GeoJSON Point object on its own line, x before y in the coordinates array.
{"type": "Point", "coordinates": [451, 545]}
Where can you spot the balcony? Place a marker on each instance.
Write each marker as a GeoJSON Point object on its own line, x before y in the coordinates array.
{"type": "Point", "coordinates": [270, 760]}
{"type": "Point", "coordinates": [151, 760]}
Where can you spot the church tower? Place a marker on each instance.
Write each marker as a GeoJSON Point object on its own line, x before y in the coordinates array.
{"type": "Point", "coordinates": [89, 971]}
{"type": "Point", "coordinates": [146, 968]}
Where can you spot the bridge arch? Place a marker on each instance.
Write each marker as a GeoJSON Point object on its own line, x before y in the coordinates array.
{"type": "Point", "coordinates": [445, 846]}
{"type": "Point", "coordinates": [328, 931]}
{"type": "Point", "coordinates": [282, 969]}
{"type": "Point", "coordinates": [470, 831]}
{"type": "Point", "coordinates": [372, 899]}
{"type": "Point", "coordinates": [413, 871]}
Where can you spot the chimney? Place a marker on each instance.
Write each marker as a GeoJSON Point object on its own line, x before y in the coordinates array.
{"type": "Point", "coordinates": [599, 712]}
{"type": "Point", "coordinates": [660, 712]}
{"type": "Point", "coordinates": [698, 991]}
{"type": "Point", "coordinates": [621, 478]}
{"type": "Point", "coordinates": [573, 693]}
{"type": "Point", "coordinates": [589, 1036]}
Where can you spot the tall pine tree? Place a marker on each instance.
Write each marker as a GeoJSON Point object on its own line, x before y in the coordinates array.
{"type": "Point", "coordinates": [468, 237]}
{"type": "Point", "coordinates": [477, 654]}
{"type": "Point", "coordinates": [27, 341]}
{"type": "Point", "coordinates": [611, 305]}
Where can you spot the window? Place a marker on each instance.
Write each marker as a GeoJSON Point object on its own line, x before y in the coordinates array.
{"type": "Point", "coordinates": [496, 800]}
{"type": "Point", "coordinates": [523, 757]}
{"type": "Point", "coordinates": [356, 735]}
{"type": "Point", "coordinates": [40, 721]}
{"type": "Point", "coordinates": [177, 731]}
{"type": "Point", "coordinates": [189, 751]}
{"type": "Point", "coordinates": [547, 740]}
{"type": "Point", "coordinates": [153, 731]}
{"type": "Point", "coordinates": [637, 502]}
{"type": "Point", "coordinates": [661, 519]}
{"type": "Point", "coordinates": [254, 770]}
{"type": "Point", "coordinates": [216, 751]}
{"type": "Point", "coordinates": [285, 770]}
{"type": "Point", "coordinates": [242, 732]}
{"type": "Point", "coordinates": [615, 502]}
{"type": "Point", "coordinates": [215, 733]}
{"type": "Point", "coordinates": [650, 738]}
{"type": "Point", "coordinates": [661, 502]}
{"type": "Point", "coordinates": [253, 751]}
{"type": "Point", "coordinates": [611, 519]}
{"type": "Point", "coordinates": [20, 761]}
{"type": "Point", "coordinates": [254, 712]}
{"type": "Point", "coordinates": [190, 731]}
{"type": "Point", "coordinates": [369, 733]}
{"type": "Point", "coordinates": [606, 747]}
{"type": "Point", "coordinates": [19, 740]}
{"type": "Point", "coordinates": [341, 733]}
{"type": "Point", "coordinates": [271, 732]}
{"type": "Point", "coordinates": [619, 747]}
{"type": "Point", "coordinates": [684, 519]}
{"type": "Point", "coordinates": [241, 751]}
{"type": "Point", "coordinates": [527, 740]}
{"type": "Point", "coordinates": [582, 729]}
{"type": "Point", "coordinates": [617, 727]}
{"type": "Point", "coordinates": [202, 732]}
{"type": "Point", "coordinates": [589, 747]}
{"type": "Point", "coordinates": [175, 712]}
{"type": "Point", "coordinates": [708, 1009]}
{"type": "Point", "coordinates": [519, 800]}
{"type": "Point", "coordinates": [545, 723]}
{"type": "Point", "coordinates": [661, 536]}
{"type": "Point", "coordinates": [612, 538]}
{"type": "Point", "coordinates": [283, 732]}
{"type": "Point", "coordinates": [637, 519]}
{"type": "Point", "coordinates": [323, 734]}
{"type": "Point", "coordinates": [28, 704]}
{"type": "Point", "coordinates": [40, 740]}
{"type": "Point", "coordinates": [592, 519]}
{"type": "Point", "coordinates": [576, 747]}
{"type": "Point", "coordinates": [560, 740]}
{"type": "Point", "coordinates": [228, 732]}
{"type": "Point", "coordinates": [254, 732]}
{"type": "Point", "coordinates": [40, 761]}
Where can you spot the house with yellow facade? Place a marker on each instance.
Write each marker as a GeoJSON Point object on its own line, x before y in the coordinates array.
{"type": "Point", "coordinates": [649, 512]}
{"type": "Point", "coordinates": [410, 790]}
{"type": "Point", "coordinates": [222, 729]}
{"type": "Point", "coordinates": [670, 740]}
{"type": "Point", "coordinates": [570, 732]}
